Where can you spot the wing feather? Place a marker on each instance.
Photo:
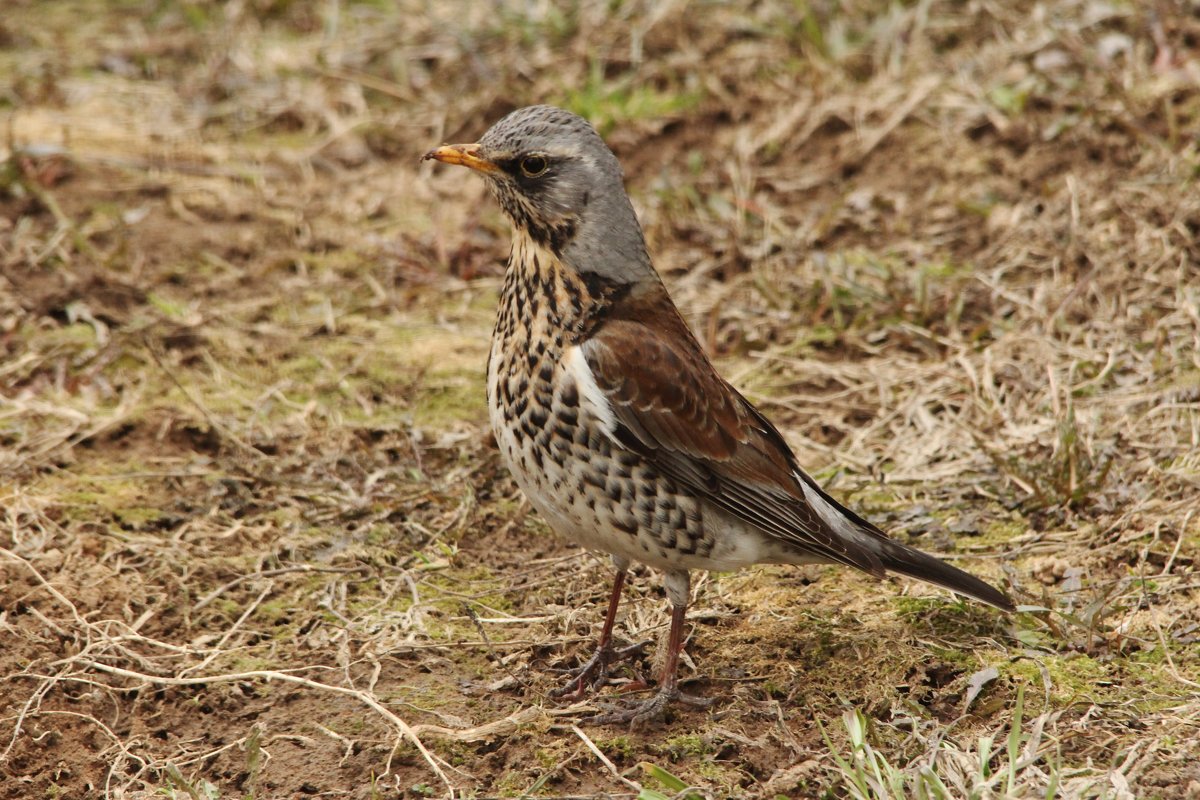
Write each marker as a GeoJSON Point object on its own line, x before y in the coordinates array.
{"type": "Point", "coordinates": [669, 404]}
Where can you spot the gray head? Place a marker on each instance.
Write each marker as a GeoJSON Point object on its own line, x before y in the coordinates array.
{"type": "Point", "coordinates": [559, 183]}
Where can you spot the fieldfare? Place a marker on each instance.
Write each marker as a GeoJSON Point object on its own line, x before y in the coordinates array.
{"type": "Point", "coordinates": [611, 417]}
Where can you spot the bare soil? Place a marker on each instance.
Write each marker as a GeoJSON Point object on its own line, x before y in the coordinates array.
{"type": "Point", "coordinates": [258, 542]}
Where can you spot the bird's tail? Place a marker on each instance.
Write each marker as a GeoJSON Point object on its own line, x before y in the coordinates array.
{"type": "Point", "coordinates": [876, 550]}
{"type": "Point", "coordinates": [897, 557]}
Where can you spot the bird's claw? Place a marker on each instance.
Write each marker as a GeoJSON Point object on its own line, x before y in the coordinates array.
{"type": "Point", "coordinates": [641, 714]}
{"type": "Point", "coordinates": [594, 672]}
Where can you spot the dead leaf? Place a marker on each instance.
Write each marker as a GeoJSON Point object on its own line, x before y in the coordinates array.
{"type": "Point", "coordinates": [976, 683]}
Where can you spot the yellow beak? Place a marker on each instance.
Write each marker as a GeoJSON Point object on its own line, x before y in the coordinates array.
{"type": "Point", "coordinates": [466, 155]}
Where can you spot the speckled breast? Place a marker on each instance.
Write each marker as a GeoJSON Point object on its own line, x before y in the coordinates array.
{"type": "Point", "coordinates": [585, 486]}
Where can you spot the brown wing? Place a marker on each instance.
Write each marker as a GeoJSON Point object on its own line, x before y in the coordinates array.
{"type": "Point", "coordinates": [673, 408]}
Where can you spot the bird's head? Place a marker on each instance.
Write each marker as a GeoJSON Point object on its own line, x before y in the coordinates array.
{"type": "Point", "coordinates": [559, 184]}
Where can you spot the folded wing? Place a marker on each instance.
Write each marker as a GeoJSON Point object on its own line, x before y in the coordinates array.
{"type": "Point", "coordinates": [670, 405]}
{"type": "Point", "coordinates": [663, 399]}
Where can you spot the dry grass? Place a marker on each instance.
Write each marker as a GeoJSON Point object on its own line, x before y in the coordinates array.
{"type": "Point", "coordinates": [256, 538]}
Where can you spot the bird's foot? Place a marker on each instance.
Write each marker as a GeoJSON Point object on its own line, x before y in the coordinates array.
{"type": "Point", "coordinates": [641, 714]}
{"type": "Point", "coordinates": [594, 672]}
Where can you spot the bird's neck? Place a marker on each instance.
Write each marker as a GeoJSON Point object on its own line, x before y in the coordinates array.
{"type": "Point", "coordinates": [544, 301]}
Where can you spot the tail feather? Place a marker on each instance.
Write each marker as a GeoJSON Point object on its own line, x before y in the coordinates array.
{"type": "Point", "coordinates": [893, 556]}
{"type": "Point", "coordinates": [909, 561]}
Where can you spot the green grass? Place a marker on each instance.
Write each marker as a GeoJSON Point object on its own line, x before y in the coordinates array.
{"type": "Point", "coordinates": [1000, 286]}
{"type": "Point", "coordinates": [1012, 764]}
{"type": "Point", "coordinates": [609, 102]}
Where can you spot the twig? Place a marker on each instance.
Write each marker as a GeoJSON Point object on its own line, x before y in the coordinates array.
{"type": "Point", "coordinates": [488, 642]}
{"type": "Point", "coordinates": [1162, 642]}
{"type": "Point", "coordinates": [191, 398]}
{"type": "Point", "coordinates": [268, 573]}
{"type": "Point", "coordinates": [366, 699]}
{"type": "Point", "coordinates": [637, 787]}
{"type": "Point", "coordinates": [219, 647]}
{"type": "Point", "coordinates": [1183, 528]}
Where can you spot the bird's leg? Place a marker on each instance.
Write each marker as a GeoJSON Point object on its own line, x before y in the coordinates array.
{"type": "Point", "coordinates": [595, 670]}
{"type": "Point", "coordinates": [668, 690]}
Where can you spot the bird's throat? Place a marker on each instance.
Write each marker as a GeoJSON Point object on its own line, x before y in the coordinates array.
{"type": "Point", "coordinates": [544, 300]}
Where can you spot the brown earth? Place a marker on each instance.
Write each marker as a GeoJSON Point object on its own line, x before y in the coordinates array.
{"type": "Point", "coordinates": [257, 541]}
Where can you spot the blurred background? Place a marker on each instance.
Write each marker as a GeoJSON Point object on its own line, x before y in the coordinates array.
{"type": "Point", "coordinates": [949, 246]}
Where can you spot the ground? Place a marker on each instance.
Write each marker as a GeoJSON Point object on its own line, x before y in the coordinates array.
{"type": "Point", "coordinates": [257, 540]}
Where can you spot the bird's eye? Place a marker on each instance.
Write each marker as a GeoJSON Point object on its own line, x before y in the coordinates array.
{"type": "Point", "coordinates": [533, 166]}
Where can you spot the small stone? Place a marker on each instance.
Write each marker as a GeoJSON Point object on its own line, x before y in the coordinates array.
{"type": "Point", "coordinates": [1050, 569]}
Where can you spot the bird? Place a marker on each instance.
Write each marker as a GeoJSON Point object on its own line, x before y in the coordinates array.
{"type": "Point", "coordinates": [611, 417]}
